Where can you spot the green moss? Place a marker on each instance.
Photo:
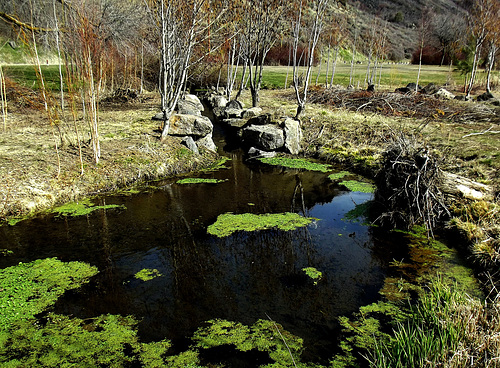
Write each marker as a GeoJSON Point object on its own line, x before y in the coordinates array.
{"type": "Point", "coordinates": [6, 252]}
{"type": "Point", "coordinates": [199, 181]}
{"type": "Point", "coordinates": [339, 175]}
{"type": "Point", "coordinates": [313, 273]}
{"type": "Point", "coordinates": [147, 274]}
{"type": "Point", "coordinates": [14, 221]}
{"type": "Point", "coordinates": [81, 208]}
{"type": "Point", "coordinates": [229, 223]}
{"type": "Point", "coordinates": [219, 164]}
{"type": "Point", "coordinates": [295, 163]}
{"type": "Point", "coordinates": [358, 186]}
{"type": "Point", "coordinates": [29, 288]}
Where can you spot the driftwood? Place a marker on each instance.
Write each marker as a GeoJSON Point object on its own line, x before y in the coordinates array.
{"type": "Point", "coordinates": [413, 189]}
{"type": "Point", "coordinates": [456, 187]}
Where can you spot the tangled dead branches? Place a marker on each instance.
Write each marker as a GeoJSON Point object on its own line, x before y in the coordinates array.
{"type": "Point", "coordinates": [420, 106]}
{"type": "Point", "coordinates": [408, 185]}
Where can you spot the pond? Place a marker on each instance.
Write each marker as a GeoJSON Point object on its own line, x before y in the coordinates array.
{"type": "Point", "coordinates": [196, 277]}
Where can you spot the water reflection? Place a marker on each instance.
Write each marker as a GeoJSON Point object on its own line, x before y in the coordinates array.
{"type": "Point", "coordinates": [244, 277]}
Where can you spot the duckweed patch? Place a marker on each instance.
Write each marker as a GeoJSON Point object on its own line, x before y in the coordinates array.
{"type": "Point", "coordinates": [358, 186]}
{"type": "Point", "coordinates": [218, 165]}
{"type": "Point", "coordinates": [29, 288]}
{"type": "Point", "coordinates": [313, 273]}
{"type": "Point", "coordinates": [147, 274]}
{"type": "Point", "coordinates": [199, 181]}
{"type": "Point", "coordinates": [264, 335]}
{"type": "Point", "coordinates": [229, 223]}
{"type": "Point", "coordinates": [296, 163]}
{"type": "Point", "coordinates": [81, 208]}
{"type": "Point", "coordinates": [339, 175]}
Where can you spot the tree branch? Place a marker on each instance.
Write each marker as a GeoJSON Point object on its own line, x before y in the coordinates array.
{"type": "Point", "coordinates": [13, 20]}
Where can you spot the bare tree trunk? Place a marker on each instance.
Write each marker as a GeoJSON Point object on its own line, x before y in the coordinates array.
{"type": "Point", "coordinates": [327, 65]}
{"type": "Point", "coordinates": [3, 98]}
{"type": "Point", "coordinates": [491, 63]}
{"type": "Point", "coordinates": [334, 65]}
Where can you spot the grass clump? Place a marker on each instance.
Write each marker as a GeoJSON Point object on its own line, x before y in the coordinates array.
{"type": "Point", "coordinates": [229, 223]}
{"type": "Point", "coordinates": [446, 328]}
{"type": "Point", "coordinates": [199, 181]}
{"type": "Point", "coordinates": [29, 288]}
{"type": "Point", "coordinates": [295, 163]}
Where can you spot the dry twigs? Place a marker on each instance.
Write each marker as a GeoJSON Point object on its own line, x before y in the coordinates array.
{"type": "Point", "coordinates": [408, 185]}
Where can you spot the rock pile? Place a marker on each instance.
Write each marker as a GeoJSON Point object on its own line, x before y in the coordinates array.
{"type": "Point", "coordinates": [260, 133]}
{"type": "Point", "coordinates": [189, 124]}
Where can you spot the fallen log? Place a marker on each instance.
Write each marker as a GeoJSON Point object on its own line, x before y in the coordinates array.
{"type": "Point", "coordinates": [455, 187]}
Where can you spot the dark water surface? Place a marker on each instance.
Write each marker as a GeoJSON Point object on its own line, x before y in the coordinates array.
{"type": "Point", "coordinates": [244, 277]}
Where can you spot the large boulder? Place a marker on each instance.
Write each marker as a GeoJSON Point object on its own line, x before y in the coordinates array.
{"type": "Point", "coordinates": [217, 101]}
{"type": "Point", "coordinates": [293, 135]}
{"type": "Point", "coordinates": [182, 125]}
{"type": "Point", "coordinates": [265, 137]}
{"type": "Point", "coordinates": [235, 104]}
{"type": "Point", "coordinates": [207, 142]}
{"type": "Point", "coordinates": [252, 112]}
{"type": "Point", "coordinates": [189, 142]}
{"type": "Point", "coordinates": [193, 100]}
{"type": "Point", "coordinates": [263, 119]}
{"type": "Point", "coordinates": [235, 123]}
{"type": "Point", "coordinates": [231, 113]}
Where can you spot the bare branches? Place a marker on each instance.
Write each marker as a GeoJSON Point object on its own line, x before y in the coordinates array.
{"type": "Point", "coordinates": [483, 132]}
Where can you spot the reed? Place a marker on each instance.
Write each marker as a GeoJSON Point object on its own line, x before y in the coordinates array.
{"type": "Point", "coordinates": [447, 328]}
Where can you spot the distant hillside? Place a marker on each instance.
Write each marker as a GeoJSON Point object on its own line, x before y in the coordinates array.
{"type": "Point", "coordinates": [403, 17]}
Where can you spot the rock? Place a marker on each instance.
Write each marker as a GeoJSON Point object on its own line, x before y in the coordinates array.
{"type": "Point", "coordinates": [252, 112]}
{"type": "Point", "coordinates": [265, 137]}
{"type": "Point", "coordinates": [485, 96]}
{"type": "Point", "coordinates": [193, 125]}
{"type": "Point", "coordinates": [444, 94]}
{"type": "Point", "coordinates": [412, 86]}
{"type": "Point", "coordinates": [257, 153]}
{"type": "Point", "coordinates": [218, 101]}
{"type": "Point", "coordinates": [263, 119]}
{"type": "Point", "coordinates": [219, 112]}
{"type": "Point", "coordinates": [430, 89]}
{"type": "Point", "coordinates": [195, 101]}
{"type": "Point", "coordinates": [161, 116]}
{"type": "Point", "coordinates": [403, 90]}
{"type": "Point", "coordinates": [231, 113]}
{"type": "Point", "coordinates": [185, 107]}
{"type": "Point", "coordinates": [189, 143]}
{"type": "Point", "coordinates": [234, 104]}
{"type": "Point", "coordinates": [235, 123]}
{"type": "Point", "coordinates": [293, 135]}
{"type": "Point", "coordinates": [207, 142]}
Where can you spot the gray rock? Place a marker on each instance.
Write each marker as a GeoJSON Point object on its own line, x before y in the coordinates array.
{"type": "Point", "coordinates": [231, 113]}
{"type": "Point", "coordinates": [485, 96]}
{"type": "Point", "coordinates": [263, 119]}
{"type": "Point", "coordinates": [235, 123]}
{"type": "Point", "coordinates": [444, 94]}
{"type": "Point", "coordinates": [252, 112]}
{"type": "Point", "coordinates": [219, 112]}
{"type": "Point", "coordinates": [430, 89]}
{"type": "Point", "coordinates": [234, 104]}
{"type": "Point", "coordinates": [257, 153]}
{"type": "Point", "coordinates": [185, 107]}
{"type": "Point", "coordinates": [218, 101]}
{"type": "Point", "coordinates": [198, 126]}
{"type": "Point", "coordinates": [207, 142]}
{"type": "Point", "coordinates": [189, 143]}
{"type": "Point", "coordinates": [195, 101]}
{"type": "Point", "coordinates": [264, 137]}
{"type": "Point", "coordinates": [293, 135]}
{"type": "Point", "coordinates": [160, 117]}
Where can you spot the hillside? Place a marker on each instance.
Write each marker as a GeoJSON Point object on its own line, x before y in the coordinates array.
{"type": "Point", "coordinates": [403, 17]}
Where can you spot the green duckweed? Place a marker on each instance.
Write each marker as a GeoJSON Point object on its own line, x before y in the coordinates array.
{"type": "Point", "coordinates": [358, 186]}
{"type": "Point", "coordinates": [199, 181]}
{"type": "Point", "coordinates": [229, 223]}
{"type": "Point", "coordinates": [147, 274]}
{"type": "Point", "coordinates": [81, 208]}
{"type": "Point", "coordinates": [295, 163]}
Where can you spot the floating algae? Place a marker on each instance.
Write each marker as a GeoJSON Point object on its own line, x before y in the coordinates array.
{"type": "Point", "coordinates": [313, 273]}
{"type": "Point", "coordinates": [358, 186]}
{"type": "Point", "coordinates": [81, 208]}
{"type": "Point", "coordinates": [295, 163]}
{"type": "Point", "coordinates": [147, 274]}
{"type": "Point", "coordinates": [229, 223]}
{"type": "Point", "coordinates": [199, 181]}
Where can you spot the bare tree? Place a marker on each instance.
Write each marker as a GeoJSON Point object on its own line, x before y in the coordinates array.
{"type": "Point", "coordinates": [260, 28]}
{"type": "Point", "coordinates": [481, 19]}
{"type": "Point", "coordinates": [493, 42]}
{"type": "Point", "coordinates": [423, 34]}
{"type": "Point", "coordinates": [308, 25]}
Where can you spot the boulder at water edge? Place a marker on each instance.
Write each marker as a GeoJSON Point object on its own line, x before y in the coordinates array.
{"type": "Point", "coordinates": [293, 135]}
{"type": "Point", "coordinates": [265, 137]}
{"type": "Point", "coordinates": [182, 125]}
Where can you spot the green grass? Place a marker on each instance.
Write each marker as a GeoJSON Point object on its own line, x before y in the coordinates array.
{"type": "Point", "coordinates": [26, 76]}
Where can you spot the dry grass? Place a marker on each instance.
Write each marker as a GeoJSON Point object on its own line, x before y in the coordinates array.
{"type": "Point", "coordinates": [130, 147]}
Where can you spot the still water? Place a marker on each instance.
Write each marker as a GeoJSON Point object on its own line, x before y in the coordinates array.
{"type": "Point", "coordinates": [243, 277]}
